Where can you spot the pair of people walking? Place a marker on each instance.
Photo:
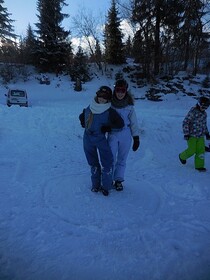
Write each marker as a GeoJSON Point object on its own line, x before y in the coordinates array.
{"type": "Point", "coordinates": [111, 114]}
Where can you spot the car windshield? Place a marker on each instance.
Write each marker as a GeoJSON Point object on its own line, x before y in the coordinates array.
{"type": "Point", "coordinates": [18, 93]}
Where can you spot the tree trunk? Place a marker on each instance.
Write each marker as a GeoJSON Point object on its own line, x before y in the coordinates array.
{"type": "Point", "coordinates": [157, 39]}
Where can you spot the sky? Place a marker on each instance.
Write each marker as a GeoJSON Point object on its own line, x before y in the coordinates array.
{"type": "Point", "coordinates": [53, 227]}
{"type": "Point", "coordinates": [24, 12]}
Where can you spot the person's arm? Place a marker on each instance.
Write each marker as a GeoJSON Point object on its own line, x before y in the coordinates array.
{"type": "Point", "coordinates": [116, 121]}
{"type": "Point", "coordinates": [186, 124]}
{"type": "Point", "coordinates": [82, 118]}
{"type": "Point", "coordinates": [134, 129]}
{"type": "Point", "coordinates": [133, 123]}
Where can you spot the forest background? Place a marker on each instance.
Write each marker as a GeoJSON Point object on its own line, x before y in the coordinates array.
{"type": "Point", "coordinates": [164, 37]}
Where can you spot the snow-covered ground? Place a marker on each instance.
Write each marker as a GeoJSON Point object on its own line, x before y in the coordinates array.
{"type": "Point", "coordinates": [53, 227]}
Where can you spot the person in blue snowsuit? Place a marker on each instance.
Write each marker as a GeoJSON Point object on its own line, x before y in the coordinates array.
{"type": "Point", "coordinates": [97, 119]}
{"type": "Point", "coordinates": [120, 140]}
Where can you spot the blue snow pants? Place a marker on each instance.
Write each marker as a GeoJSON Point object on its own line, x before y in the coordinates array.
{"type": "Point", "coordinates": [99, 157]}
{"type": "Point", "coordinates": [120, 143]}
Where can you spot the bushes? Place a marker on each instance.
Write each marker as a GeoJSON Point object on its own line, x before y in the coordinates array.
{"type": "Point", "coordinates": [13, 72]}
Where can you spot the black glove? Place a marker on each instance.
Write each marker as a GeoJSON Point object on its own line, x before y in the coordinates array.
{"type": "Point", "coordinates": [136, 143]}
{"type": "Point", "coordinates": [105, 128]}
{"type": "Point", "coordinates": [207, 136]}
{"type": "Point", "coordinates": [82, 124]}
{"type": "Point", "coordinates": [207, 149]}
{"type": "Point", "coordinates": [82, 119]}
{"type": "Point", "coordinates": [186, 137]}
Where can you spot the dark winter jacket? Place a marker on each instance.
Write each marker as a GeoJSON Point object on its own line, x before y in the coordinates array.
{"type": "Point", "coordinates": [98, 124]}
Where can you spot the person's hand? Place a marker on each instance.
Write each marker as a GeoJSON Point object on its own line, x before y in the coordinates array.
{"type": "Point", "coordinates": [207, 149]}
{"type": "Point", "coordinates": [82, 124]}
{"type": "Point", "coordinates": [82, 119]}
{"type": "Point", "coordinates": [105, 128]}
{"type": "Point", "coordinates": [136, 143]}
{"type": "Point", "coordinates": [186, 137]}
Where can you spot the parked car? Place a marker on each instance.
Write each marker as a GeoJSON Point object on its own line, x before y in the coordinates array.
{"type": "Point", "coordinates": [17, 97]}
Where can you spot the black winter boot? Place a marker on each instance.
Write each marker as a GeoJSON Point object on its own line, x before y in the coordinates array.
{"type": "Point", "coordinates": [183, 161]}
{"type": "Point", "coordinates": [95, 189]}
{"type": "Point", "coordinates": [118, 186]}
{"type": "Point", "coordinates": [105, 192]}
{"type": "Point", "coordinates": [201, 169]}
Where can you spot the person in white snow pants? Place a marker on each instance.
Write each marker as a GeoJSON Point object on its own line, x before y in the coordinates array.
{"type": "Point", "coordinates": [120, 140]}
{"type": "Point", "coordinates": [120, 143]}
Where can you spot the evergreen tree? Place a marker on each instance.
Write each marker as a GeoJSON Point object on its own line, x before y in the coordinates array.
{"type": "Point", "coordinates": [192, 35]}
{"type": "Point", "coordinates": [98, 55]}
{"type": "Point", "coordinates": [114, 53]}
{"type": "Point", "coordinates": [143, 15]}
{"type": "Point", "coordinates": [8, 49]}
{"type": "Point", "coordinates": [128, 47]}
{"type": "Point", "coordinates": [170, 39]}
{"type": "Point", "coordinates": [28, 47]}
{"type": "Point", "coordinates": [54, 47]}
{"type": "Point", "coordinates": [169, 32]}
{"type": "Point", "coordinates": [9, 52]}
{"type": "Point", "coordinates": [138, 49]}
{"type": "Point", "coordinates": [6, 28]}
{"type": "Point", "coordinates": [98, 52]}
{"type": "Point", "coordinates": [78, 69]}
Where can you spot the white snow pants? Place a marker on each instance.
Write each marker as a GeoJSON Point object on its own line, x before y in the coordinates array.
{"type": "Point", "coordinates": [120, 143]}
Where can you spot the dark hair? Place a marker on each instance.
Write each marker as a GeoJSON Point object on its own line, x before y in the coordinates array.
{"type": "Point", "coordinates": [204, 101]}
{"type": "Point", "coordinates": [121, 83]}
{"type": "Point", "coordinates": [104, 92]}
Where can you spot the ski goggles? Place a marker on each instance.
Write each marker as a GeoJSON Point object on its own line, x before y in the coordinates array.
{"type": "Point", "coordinates": [120, 89]}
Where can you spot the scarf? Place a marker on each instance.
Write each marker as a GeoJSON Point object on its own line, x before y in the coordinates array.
{"type": "Point", "coordinates": [97, 108]}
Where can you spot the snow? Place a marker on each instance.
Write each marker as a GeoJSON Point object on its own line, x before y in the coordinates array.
{"type": "Point", "coordinates": [53, 227]}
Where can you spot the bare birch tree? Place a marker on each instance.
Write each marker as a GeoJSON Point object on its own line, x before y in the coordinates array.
{"type": "Point", "coordinates": [90, 29]}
